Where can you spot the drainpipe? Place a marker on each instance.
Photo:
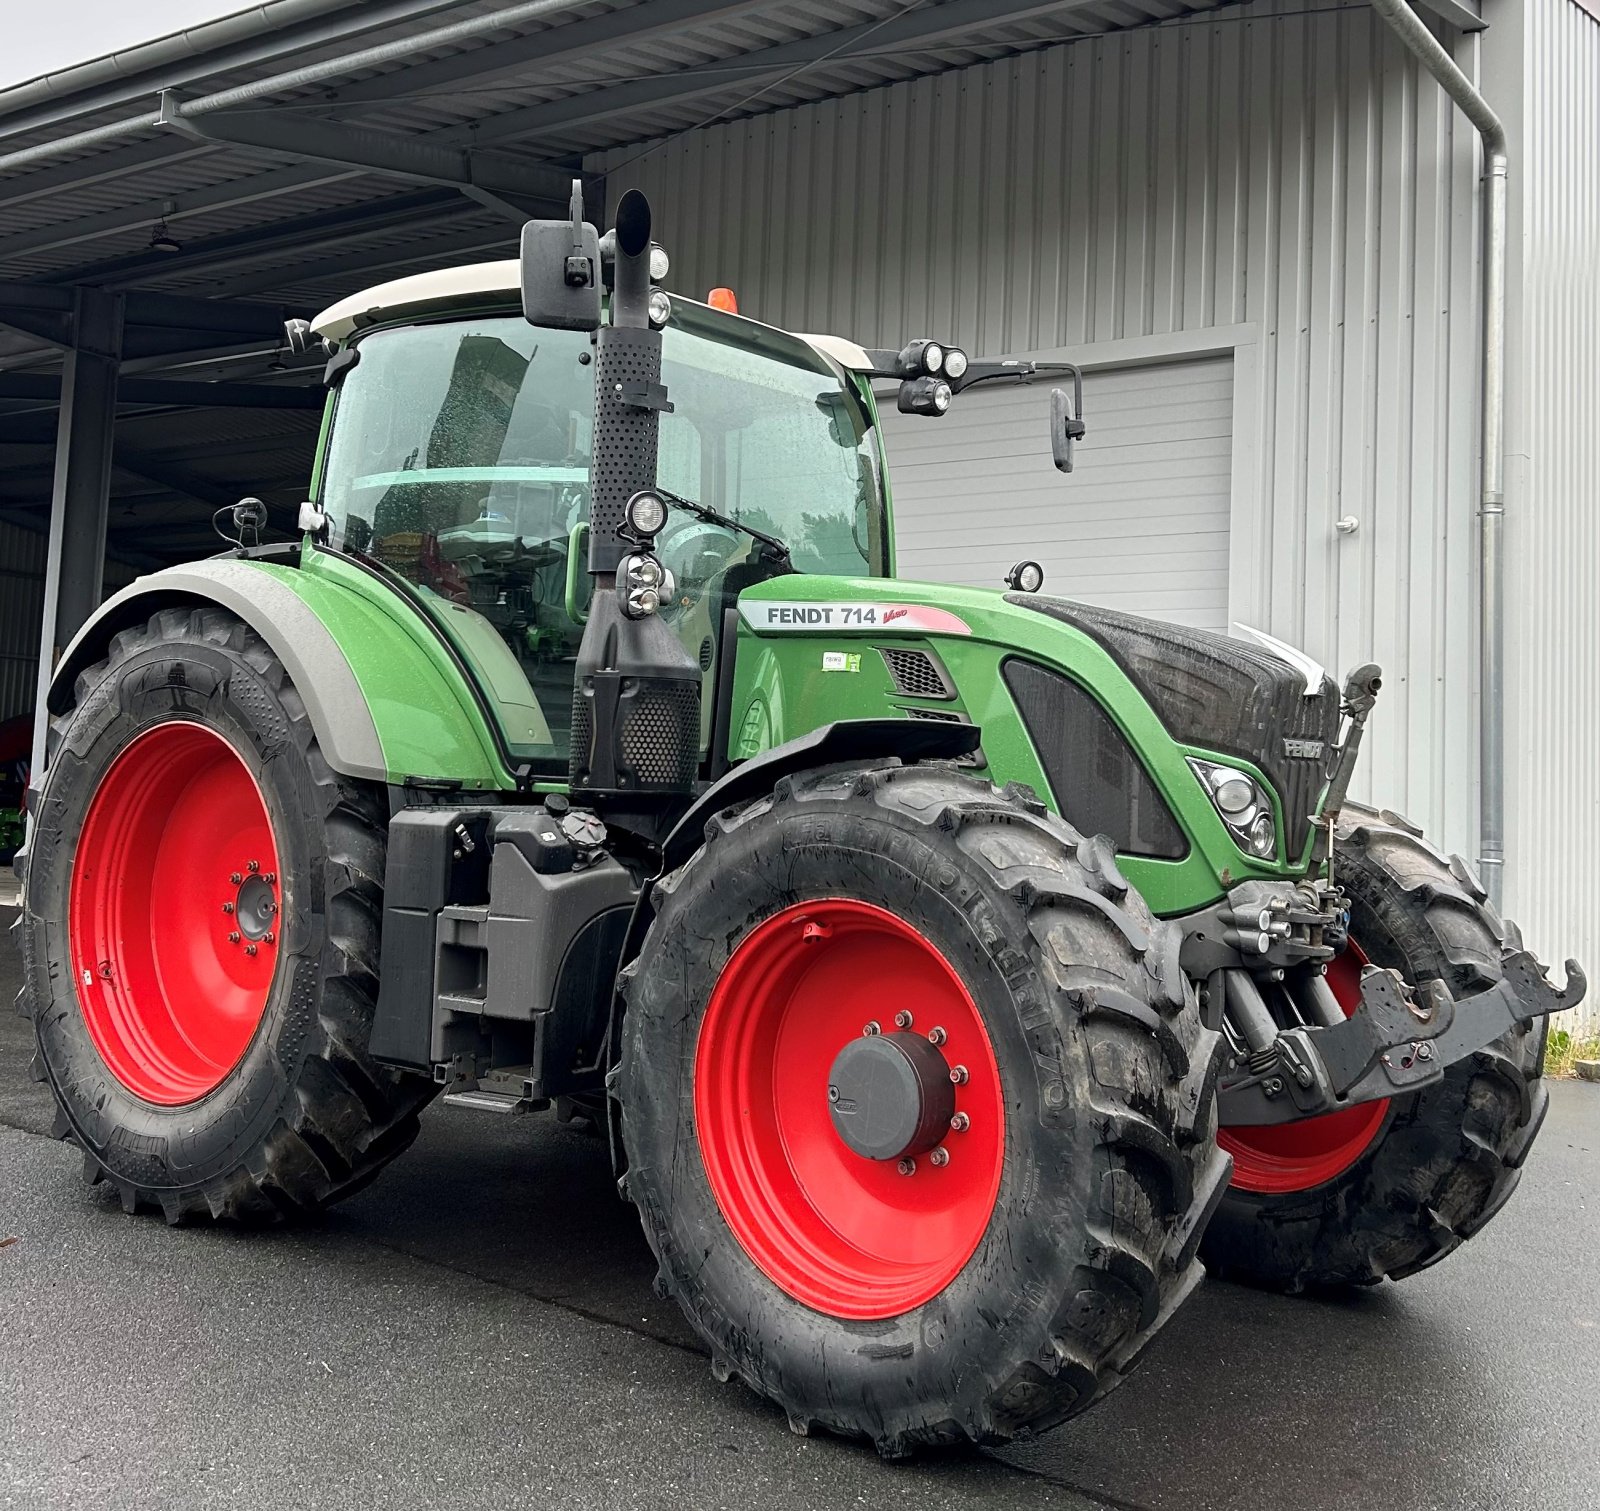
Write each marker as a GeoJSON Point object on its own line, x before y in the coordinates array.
{"type": "Point", "coordinates": [401, 51]}
{"type": "Point", "coordinates": [1491, 510]}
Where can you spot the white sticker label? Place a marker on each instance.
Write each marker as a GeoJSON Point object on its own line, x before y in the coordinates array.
{"type": "Point", "coordinates": [770, 618]}
{"type": "Point", "coordinates": [841, 661]}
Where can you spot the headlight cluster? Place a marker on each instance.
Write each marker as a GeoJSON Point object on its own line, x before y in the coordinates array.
{"type": "Point", "coordinates": [1242, 805]}
{"type": "Point", "coordinates": [643, 584]}
{"type": "Point", "coordinates": [928, 368]}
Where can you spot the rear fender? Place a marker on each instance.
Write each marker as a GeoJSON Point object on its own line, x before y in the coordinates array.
{"type": "Point", "coordinates": [435, 732]}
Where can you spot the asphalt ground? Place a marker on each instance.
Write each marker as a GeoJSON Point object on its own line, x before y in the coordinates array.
{"type": "Point", "coordinates": [477, 1329]}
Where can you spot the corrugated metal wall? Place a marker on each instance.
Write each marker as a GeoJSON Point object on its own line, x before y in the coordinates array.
{"type": "Point", "coordinates": [1289, 172]}
{"type": "Point", "coordinates": [1553, 495]}
{"type": "Point", "coordinates": [22, 563]}
{"type": "Point", "coordinates": [22, 556]}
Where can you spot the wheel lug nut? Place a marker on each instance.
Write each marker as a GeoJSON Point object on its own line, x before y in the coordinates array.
{"type": "Point", "coordinates": [270, 876]}
{"type": "Point", "coordinates": [940, 1156]}
{"type": "Point", "coordinates": [960, 1123]}
{"type": "Point", "coordinates": [236, 878]}
{"type": "Point", "coordinates": [936, 1036]}
{"type": "Point", "coordinates": [268, 937]}
{"type": "Point", "coordinates": [233, 938]}
{"type": "Point", "coordinates": [227, 907]}
{"type": "Point", "coordinates": [249, 949]}
{"type": "Point", "coordinates": [252, 865]}
{"type": "Point", "coordinates": [872, 1028]}
{"type": "Point", "coordinates": [958, 1075]}
{"type": "Point", "coordinates": [907, 1167]}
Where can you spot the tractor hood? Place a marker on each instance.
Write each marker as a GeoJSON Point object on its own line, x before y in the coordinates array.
{"type": "Point", "coordinates": [1223, 694]}
{"type": "Point", "coordinates": [1178, 695]}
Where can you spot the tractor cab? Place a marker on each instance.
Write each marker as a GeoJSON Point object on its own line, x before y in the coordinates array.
{"type": "Point", "coordinates": [460, 455]}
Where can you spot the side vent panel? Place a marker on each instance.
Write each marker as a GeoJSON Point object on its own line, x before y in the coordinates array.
{"type": "Point", "coordinates": [916, 674]}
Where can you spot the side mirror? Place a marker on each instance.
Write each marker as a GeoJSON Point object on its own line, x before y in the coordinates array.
{"type": "Point", "coordinates": [561, 271]}
{"type": "Point", "coordinates": [1066, 422]}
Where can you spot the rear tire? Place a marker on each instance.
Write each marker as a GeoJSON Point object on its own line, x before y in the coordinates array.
{"type": "Point", "coordinates": [1446, 1158]}
{"type": "Point", "coordinates": [997, 1313]}
{"type": "Point", "coordinates": [283, 1111]}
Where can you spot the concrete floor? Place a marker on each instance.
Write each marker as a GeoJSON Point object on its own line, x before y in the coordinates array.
{"type": "Point", "coordinates": [477, 1329]}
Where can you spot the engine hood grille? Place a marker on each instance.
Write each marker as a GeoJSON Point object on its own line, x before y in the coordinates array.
{"type": "Point", "coordinates": [1223, 695]}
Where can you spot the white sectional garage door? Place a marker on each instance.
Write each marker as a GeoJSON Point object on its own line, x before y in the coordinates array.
{"type": "Point", "coordinates": [1141, 524]}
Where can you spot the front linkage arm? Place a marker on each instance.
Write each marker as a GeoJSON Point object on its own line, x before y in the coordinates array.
{"type": "Point", "coordinates": [1392, 1043]}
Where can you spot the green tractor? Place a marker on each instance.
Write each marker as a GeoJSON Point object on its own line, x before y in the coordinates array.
{"type": "Point", "coordinates": [956, 973]}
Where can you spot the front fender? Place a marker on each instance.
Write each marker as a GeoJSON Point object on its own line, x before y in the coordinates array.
{"type": "Point", "coordinates": [384, 698]}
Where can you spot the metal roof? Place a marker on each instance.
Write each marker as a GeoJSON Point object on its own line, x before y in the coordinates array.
{"type": "Point", "coordinates": [305, 149]}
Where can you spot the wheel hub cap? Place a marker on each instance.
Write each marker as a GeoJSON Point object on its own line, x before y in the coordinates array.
{"type": "Point", "coordinates": [890, 1096]}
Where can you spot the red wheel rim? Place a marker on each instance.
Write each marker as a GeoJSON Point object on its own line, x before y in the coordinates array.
{"type": "Point", "coordinates": [1298, 1156]}
{"type": "Point", "coordinates": [172, 919]}
{"type": "Point", "coordinates": [845, 1234]}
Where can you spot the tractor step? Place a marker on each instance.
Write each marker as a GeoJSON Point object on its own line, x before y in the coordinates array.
{"type": "Point", "coordinates": [488, 1101]}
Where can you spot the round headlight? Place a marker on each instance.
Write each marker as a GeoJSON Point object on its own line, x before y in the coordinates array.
{"type": "Point", "coordinates": [660, 308]}
{"type": "Point", "coordinates": [647, 512]}
{"type": "Point", "coordinates": [643, 602]}
{"type": "Point", "coordinates": [933, 356]}
{"type": "Point", "coordinates": [1025, 577]}
{"type": "Point", "coordinates": [955, 362]}
{"type": "Point", "coordinates": [1262, 839]}
{"type": "Point", "coordinates": [658, 263]}
{"type": "Point", "coordinates": [941, 397]}
{"type": "Point", "coordinates": [1235, 794]}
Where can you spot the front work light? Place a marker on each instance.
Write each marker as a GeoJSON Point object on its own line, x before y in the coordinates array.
{"type": "Point", "coordinates": [1242, 806]}
{"type": "Point", "coordinates": [924, 396]}
{"type": "Point", "coordinates": [955, 363]}
{"type": "Point", "coordinates": [920, 358]}
{"type": "Point", "coordinates": [646, 512]}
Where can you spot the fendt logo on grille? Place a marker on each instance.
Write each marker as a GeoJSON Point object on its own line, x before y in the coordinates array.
{"type": "Point", "coordinates": [1312, 750]}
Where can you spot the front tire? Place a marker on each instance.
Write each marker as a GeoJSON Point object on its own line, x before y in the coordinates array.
{"type": "Point", "coordinates": [200, 935]}
{"type": "Point", "coordinates": [1005, 1278]}
{"type": "Point", "coordinates": [1432, 1168]}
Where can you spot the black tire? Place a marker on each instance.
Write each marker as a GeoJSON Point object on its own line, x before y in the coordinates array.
{"type": "Point", "coordinates": [306, 1116]}
{"type": "Point", "coordinates": [1110, 1164]}
{"type": "Point", "coordinates": [1446, 1158]}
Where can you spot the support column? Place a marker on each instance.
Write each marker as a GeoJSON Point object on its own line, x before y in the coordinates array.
{"type": "Point", "coordinates": [75, 569]}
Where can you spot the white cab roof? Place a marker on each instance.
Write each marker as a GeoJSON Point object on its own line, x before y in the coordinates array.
{"type": "Point", "coordinates": [480, 283]}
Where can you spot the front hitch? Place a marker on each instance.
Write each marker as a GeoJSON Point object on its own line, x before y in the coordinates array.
{"type": "Point", "coordinates": [1396, 1041]}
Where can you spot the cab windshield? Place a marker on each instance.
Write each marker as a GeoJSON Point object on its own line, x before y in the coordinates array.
{"type": "Point", "coordinates": [459, 458]}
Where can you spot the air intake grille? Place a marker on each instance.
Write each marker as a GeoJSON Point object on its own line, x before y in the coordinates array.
{"type": "Point", "coordinates": [661, 734]}
{"type": "Point", "coordinates": [936, 713]}
{"type": "Point", "coordinates": [916, 674]}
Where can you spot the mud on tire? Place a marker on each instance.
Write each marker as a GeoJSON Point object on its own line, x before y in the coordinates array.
{"type": "Point", "coordinates": [1110, 1165]}
{"type": "Point", "coordinates": [1448, 1157]}
{"type": "Point", "coordinates": [306, 1116]}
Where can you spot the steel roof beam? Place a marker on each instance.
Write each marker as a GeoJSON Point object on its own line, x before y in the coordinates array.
{"type": "Point", "coordinates": [239, 191]}
{"type": "Point", "coordinates": [418, 159]}
{"type": "Point", "coordinates": [261, 243]}
{"type": "Point", "coordinates": [911, 28]}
